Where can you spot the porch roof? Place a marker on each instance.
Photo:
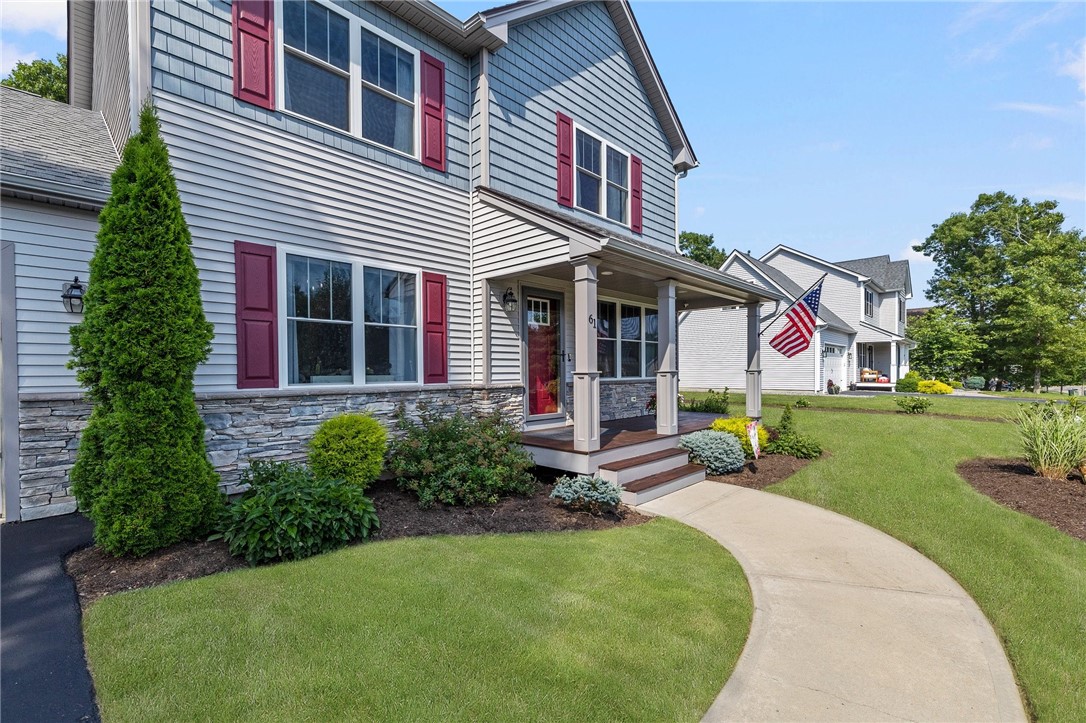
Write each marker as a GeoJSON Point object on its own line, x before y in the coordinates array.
{"type": "Point", "coordinates": [628, 264]}
{"type": "Point", "coordinates": [870, 334]}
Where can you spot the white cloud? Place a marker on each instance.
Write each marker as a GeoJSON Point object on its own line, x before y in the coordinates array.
{"type": "Point", "coordinates": [915, 257]}
{"type": "Point", "coordinates": [1051, 111]}
{"type": "Point", "coordinates": [33, 16]}
{"type": "Point", "coordinates": [699, 211]}
{"type": "Point", "coordinates": [10, 55]}
{"type": "Point", "coordinates": [1061, 192]}
{"type": "Point", "coordinates": [1074, 65]}
{"type": "Point", "coordinates": [1031, 142]}
{"type": "Point", "coordinates": [830, 146]}
{"type": "Point", "coordinates": [992, 49]}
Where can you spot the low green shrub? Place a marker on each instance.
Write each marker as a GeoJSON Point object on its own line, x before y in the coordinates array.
{"type": "Point", "coordinates": [738, 426]}
{"type": "Point", "coordinates": [974, 383]}
{"type": "Point", "coordinates": [350, 447]}
{"type": "Point", "coordinates": [720, 452]}
{"type": "Point", "coordinates": [933, 386]}
{"type": "Point", "coordinates": [795, 445]}
{"type": "Point", "coordinates": [1054, 437]}
{"type": "Point", "coordinates": [913, 405]}
{"type": "Point", "coordinates": [459, 460]}
{"type": "Point", "coordinates": [587, 493]}
{"type": "Point", "coordinates": [802, 403]}
{"type": "Point", "coordinates": [712, 403]}
{"type": "Point", "coordinates": [289, 513]}
{"type": "Point", "coordinates": [908, 383]}
{"type": "Point", "coordinates": [787, 425]}
{"type": "Point", "coordinates": [955, 384]}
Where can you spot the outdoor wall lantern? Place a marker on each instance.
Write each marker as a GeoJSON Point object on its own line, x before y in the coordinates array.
{"type": "Point", "coordinates": [509, 301]}
{"type": "Point", "coordinates": [72, 296]}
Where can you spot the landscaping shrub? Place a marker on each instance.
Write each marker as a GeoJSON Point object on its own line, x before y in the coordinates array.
{"type": "Point", "coordinates": [1053, 436]}
{"type": "Point", "coordinates": [932, 386]}
{"type": "Point", "coordinates": [974, 383]}
{"type": "Point", "coordinates": [789, 441]}
{"type": "Point", "coordinates": [141, 473]}
{"type": "Point", "coordinates": [955, 384]}
{"type": "Point", "coordinates": [460, 460]}
{"type": "Point", "coordinates": [802, 403]}
{"type": "Point", "coordinates": [908, 383]}
{"type": "Point", "coordinates": [787, 425]}
{"type": "Point", "coordinates": [913, 405]}
{"type": "Point", "coordinates": [587, 493]}
{"type": "Point", "coordinates": [738, 426]}
{"type": "Point", "coordinates": [290, 513]}
{"type": "Point", "coordinates": [720, 452]}
{"type": "Point", "coordinates": [712, 403]}
{"type": "Point", "coordinates": [350, 447]}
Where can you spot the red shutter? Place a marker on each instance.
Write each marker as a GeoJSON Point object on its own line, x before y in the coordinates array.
{"type": "Point", "coordinates": [435, 330]}
{"type": "Point", "coordinates": [565, 160]}
{"type": "Point", "coordinates": [257, 325]}
{"type": "Point", "coordinates": [635, 194]}
{"type": "Point", "coordinates": [432, 93]}
{"type": "Point", "coordinates": [254, 53]}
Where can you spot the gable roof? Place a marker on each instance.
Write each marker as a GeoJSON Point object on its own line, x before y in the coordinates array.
{"type": "Point", "coordinates": [53, 151]}
{"type": "Point", "coordinates": [499, 18]}
{"type": "Point", "coordinates": [781, 248]}
{"type": "Point", "coordinates": [779, 279]}
{"type": "Point", "coordinates": [886, 274]}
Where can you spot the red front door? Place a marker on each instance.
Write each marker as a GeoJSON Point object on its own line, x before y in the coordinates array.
{"type": "Point", "coordinates": [544, 356]}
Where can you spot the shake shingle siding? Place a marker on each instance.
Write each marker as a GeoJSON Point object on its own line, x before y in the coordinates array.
{"type": "Point", "coordinates": [192, 57]}
{"type": "Point", "coordinates": [573, 61]}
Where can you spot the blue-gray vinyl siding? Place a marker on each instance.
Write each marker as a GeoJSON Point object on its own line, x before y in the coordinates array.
{"type": "Point", "coordinates": [574, 61]}
{"type": "Point", "coordinates": [192, 57]}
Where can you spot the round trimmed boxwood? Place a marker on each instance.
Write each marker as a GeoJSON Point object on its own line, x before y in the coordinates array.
{"type": "Point", "coordinates": [349, 447]}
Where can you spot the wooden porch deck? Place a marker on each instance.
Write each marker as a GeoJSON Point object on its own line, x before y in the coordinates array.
{"type": "Point", "coordinates": [616, 433]}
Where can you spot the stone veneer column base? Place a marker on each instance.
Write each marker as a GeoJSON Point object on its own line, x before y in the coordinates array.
{"type": "Point", "coordinates": [241, 427]}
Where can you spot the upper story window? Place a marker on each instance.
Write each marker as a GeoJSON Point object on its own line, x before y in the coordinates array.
{"type": "Point", "coordinates": [901, 309]}
{"type": "Point", "coordinates": [603, 177]}
{"type": "Point", "coordinates": [338, 71]}
{"type": "Point", "coordinates": [869, 302]}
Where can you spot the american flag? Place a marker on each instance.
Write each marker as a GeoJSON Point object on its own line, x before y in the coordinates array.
{"type": "Point", "coordinates": [795, 337]}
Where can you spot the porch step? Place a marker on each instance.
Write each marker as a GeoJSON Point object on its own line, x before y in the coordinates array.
{"type": "Point", "coordinates": [627, 470]}
{"type": "Point", "coordinates": [657, 485]}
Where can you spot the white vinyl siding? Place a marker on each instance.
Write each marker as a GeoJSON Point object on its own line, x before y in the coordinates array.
{"type": "Point", "coordinates": [242, 181]}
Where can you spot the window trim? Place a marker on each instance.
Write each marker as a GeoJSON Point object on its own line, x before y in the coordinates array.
{"type": "Point", "coordinates": [354, 87]}
{"type": "Point", "coordinates": [618, 302]}
{"type": "Point", "coordinates": [358, 320]}
{"type": "Point", "coordinates": [604, 145]}
{"type": "Point", "coordinates": [869, 303]}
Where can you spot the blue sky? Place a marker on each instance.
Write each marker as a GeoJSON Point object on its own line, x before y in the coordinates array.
{"type": "Point", "coordinates": [842, 129]}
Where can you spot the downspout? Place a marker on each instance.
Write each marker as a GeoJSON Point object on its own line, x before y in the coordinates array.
{"type": "Point", "coordinates": [680, 175]}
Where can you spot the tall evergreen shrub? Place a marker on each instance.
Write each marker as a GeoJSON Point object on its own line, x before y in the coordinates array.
{"type": "Point", "coordinates": [141, 473]}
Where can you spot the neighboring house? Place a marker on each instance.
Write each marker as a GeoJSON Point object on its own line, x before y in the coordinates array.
{"type": "Point", "coordinates": [391, 207]}
{"type": "Point", "coordinates": [861, 324]}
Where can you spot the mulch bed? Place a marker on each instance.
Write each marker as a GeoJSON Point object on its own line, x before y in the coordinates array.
{"type": "Point", "coordinates": [97, 573]}
{"type": "Point", "coordinates": [1012, 483]}
{"type": "Point", "coordinates": [759, 474]}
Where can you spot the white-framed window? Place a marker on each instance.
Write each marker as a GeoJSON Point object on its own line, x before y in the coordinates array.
{"type": "Point", "coordinates": [336, 70]}
{"type": "Point", "coordinates": [901, 309]}
{"type": "Point", "coordinates": [602, 177]}
{"type": "Point", "coordinates": [869, 302]}
{"type": "Point", "coordinates": [627, 340]}
{"type": "Point", "coordinates": [344, 321]}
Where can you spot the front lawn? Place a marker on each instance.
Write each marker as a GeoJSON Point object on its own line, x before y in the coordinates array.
{"type": "Point", "coordinates": [944, 404]}
{"type": "Point", "coordinates": [897, 473]}
{"type": "Point", "coordinates": [635, 623]}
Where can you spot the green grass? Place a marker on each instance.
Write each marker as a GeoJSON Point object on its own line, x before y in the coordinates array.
{"type": "Point", "coordinates": [1024, 394]}
{"type": "Point", "coordinates": [944, 404]}
{"type": "Point", "coordinates": [636, 623]}
{"type": "Point", "coordinates": [896, 473]}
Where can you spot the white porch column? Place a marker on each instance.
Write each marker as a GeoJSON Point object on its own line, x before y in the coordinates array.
{"type": "Point", "coordinates": [586, 373]}
{"type": "Point", "coordinates": [667, 371]}
{"type": "Point", "coordinates": [893, 362]}
{"type": "Point", "coordinates": [754, 363]}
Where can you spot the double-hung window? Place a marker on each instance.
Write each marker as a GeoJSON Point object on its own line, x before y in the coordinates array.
{"type": "Point", "coordinates": [869, 302]}
{"type": "Point", "coordinates": [341, 72]}
{"type": "Point", "coordinates": [627, 339]}
{"type": "Point", "coordinates": [349, 323]}
{"type": "Point", "coordinates": [602, 177]}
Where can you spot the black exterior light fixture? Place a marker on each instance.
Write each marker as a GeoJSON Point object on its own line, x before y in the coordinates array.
{"type": "Point", "coordinates": [73, 296]}
{"type": "Point", "coordinates": [509, 301]}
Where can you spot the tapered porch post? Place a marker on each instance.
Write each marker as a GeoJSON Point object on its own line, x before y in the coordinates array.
{"type": "Point", "coordinates": [586, 373]}
{"type": "Point", "coordinates": [667, 371]}
{"type": "Point", "coordinates": [754, 363]}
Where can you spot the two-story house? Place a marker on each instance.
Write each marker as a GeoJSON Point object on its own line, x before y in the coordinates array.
{"type": "Point", "coordinates": [860, 325]}
{"type": "Point", "coordinates": [388, 206]}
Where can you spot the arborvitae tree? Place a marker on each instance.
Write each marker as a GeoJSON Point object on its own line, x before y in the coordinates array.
{"type": "Point", "coordinates": [141, 473]}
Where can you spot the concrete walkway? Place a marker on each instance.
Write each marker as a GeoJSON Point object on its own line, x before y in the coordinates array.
{"type": "Point", "coordinates": [849, 624]}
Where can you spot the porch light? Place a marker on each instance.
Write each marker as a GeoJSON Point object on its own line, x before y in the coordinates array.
{"type": "Point", "coordinates": [509, 301]}
{"type": "Point", "coordinates": [72, 296]}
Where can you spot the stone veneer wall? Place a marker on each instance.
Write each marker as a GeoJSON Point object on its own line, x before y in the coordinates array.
{"type": "Point", "coordinates": [241, 427]}
{"type": "Point", "coordinates": [619, 399]}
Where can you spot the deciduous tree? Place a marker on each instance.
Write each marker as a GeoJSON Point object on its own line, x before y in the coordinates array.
{"type": "Point", "coordinates": [947, 345]}
{"type": "Point", "coordinates": [43, 77]}
{"type": "Point", "coordinates": [700, 248]}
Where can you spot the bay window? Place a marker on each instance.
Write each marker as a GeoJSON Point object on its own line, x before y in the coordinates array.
{"type": "Point", "coordinates": [627, 339]}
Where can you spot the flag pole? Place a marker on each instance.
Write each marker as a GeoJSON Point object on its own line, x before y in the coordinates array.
{"type": "Point", "coordinates": [794, 302]}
